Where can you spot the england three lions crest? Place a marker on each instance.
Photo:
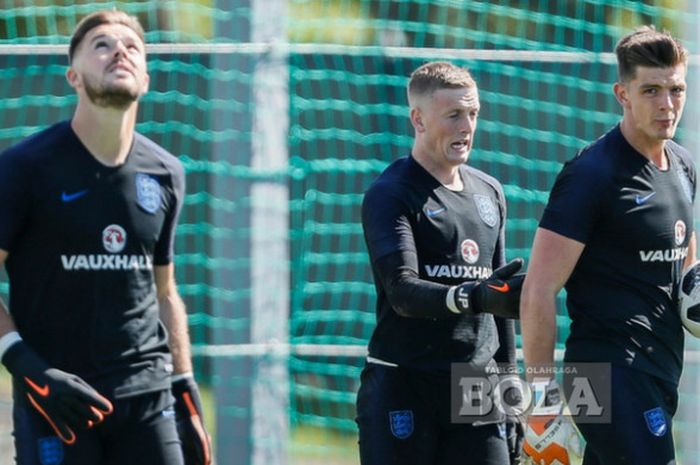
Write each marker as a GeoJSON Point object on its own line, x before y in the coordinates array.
{"type": "Point", "coordinates": [487, 209]}
{"type": "Point", "coordinates": [656, 421]}
{"type": "Point", "coordinates": [401, 423]}
{"type": "Point", "coordinates": [147, 192]}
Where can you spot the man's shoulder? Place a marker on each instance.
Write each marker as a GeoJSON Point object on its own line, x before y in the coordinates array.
{"type": "Point", "coordinates": [601, 147]}
{"type": "Point", "coordinates": [681, 152]}
{"type": "Point", "coordinates": [482, 177]}
{"type": "Point", "coordinates": [152, 153]}
{"type": "Point", "coordinates": [40, 144]}
{"type": "Point", "coordinates": [397, 176]}
{"type": "Point", "coordinates": [597, 160]}
{"type": "Point", "coordinates": [399, 185]}
{"type": "Point", "coordinates": [399, 167]}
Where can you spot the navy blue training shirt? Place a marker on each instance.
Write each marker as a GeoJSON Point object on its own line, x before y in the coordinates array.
{"type": "Point", "coordinates": [457, 237]}
{"type": "Point", "coordinates": [83, 239]}
{"type": "Point", "coordinates": [636, 222]}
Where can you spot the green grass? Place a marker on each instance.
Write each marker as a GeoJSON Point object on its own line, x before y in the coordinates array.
{"type": "Point", "coordinates": [315, 446]}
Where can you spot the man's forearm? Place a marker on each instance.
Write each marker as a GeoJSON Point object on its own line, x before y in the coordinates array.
{"type": "Point", "coordinates": [174, 317]}
{"type": "Point", "coordinates": [539, 331]}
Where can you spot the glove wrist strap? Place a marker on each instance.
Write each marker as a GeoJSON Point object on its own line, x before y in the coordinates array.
{"type": "Point", "coordinates": [7, 341]}
{"type": "Point", "coordinates": [459, 298]}
{"type": "Point", "coordinates": [450, 300]}
{"type": "Point", "coordinates": [180, 376]}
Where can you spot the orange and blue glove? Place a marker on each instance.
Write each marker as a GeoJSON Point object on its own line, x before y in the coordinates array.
{"type": "Point", "coordinates": [68, 403]}
{"type": "Point", "coordinates": [196, 444]}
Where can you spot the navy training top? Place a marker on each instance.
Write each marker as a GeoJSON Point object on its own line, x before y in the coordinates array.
{"type": "Point", "coordinates": [457, 237]}
{"type": "Point", "coordinates": [83, 239]}
{"type": "Point", "coordinates": [636, 222]}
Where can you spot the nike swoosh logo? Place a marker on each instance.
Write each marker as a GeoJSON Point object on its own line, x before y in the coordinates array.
{"type": "Point", "coordinates": [434, 213]}
{"type": "Point", "coordinates": [65, 197]}
{"type": "Point", "coordinates": [641, 200]}
{"type": "Point", "coordinates": [502, 288]}
{"type": "Point", "coordinates": [42, 391]}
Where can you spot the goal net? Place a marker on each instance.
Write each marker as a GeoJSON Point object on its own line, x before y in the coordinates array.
{"type": "Point", "coordinates": [283, 112]}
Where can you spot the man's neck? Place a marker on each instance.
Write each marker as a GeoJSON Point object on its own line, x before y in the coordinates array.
{"type": "Point", "coordinates": [653, 150]}
{"type": "Point", "coordinates": [448, 176]}
{"type": "Point", "coordinates": [107, 133]}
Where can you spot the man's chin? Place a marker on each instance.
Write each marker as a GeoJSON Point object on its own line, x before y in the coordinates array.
{"type": "Point", "coordinates": [115, 100]}
{"type": "Point", "coordinates": [667, 135]}
{"type": "Point", "coordinates": [117, 97]}
{"type": "Point", "coordinates": [461, 157]}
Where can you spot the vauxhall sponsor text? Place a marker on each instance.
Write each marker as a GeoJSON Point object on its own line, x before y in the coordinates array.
{"type": "Point", "coordinates": [668, 255]}
{"type": "Point", "coordinates": [458, 271]}
{"type": "Point", "coordinates": [106, 262]}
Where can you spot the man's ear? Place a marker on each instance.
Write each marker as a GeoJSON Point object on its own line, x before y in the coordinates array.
{"type": "Point", "coordinates": [417, 120]}
{"type": "Point", "coordinates": [72, 77]}
{"type": "Point", "coordinates": [621, 94]}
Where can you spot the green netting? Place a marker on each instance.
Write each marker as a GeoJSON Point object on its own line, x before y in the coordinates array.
{"type": "Point", "coordinates": [347, 119]}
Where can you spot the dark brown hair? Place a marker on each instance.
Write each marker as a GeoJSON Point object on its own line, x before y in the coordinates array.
{"type": "Point", "coordinates": [99, 18]}
{"type": "Point", "coordinates": [649, 48]}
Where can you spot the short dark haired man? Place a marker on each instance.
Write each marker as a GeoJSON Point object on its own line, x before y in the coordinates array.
{"type": "Point", "coordinates": [88, 210]}
{"type": "Point", "coordinates": [616, 233]}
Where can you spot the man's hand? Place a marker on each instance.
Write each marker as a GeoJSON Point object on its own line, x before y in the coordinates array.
{"type": "Point", "coordinates": [66, 401]}
{"type": "Point", "coordinates": [196, 444]}
{"type": "Point", "coordinates": [498, 294]}
{"type": "Point", "coordinates": [551, 437]}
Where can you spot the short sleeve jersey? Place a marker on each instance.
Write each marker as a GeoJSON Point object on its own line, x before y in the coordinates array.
{"type": "Point", "coordinates": [457, 237]}
{"type": "Point", "coordinates": [82, 240]}
{"type": "Point", "coordinates": [636, 222]}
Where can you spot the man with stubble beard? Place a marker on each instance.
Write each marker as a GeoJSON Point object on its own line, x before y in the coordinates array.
{"type": "Point", "coordinates": [96, 335]}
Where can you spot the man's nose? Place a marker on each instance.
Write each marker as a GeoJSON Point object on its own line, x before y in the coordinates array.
{"type": "Point", "coordinates": [119, 48]}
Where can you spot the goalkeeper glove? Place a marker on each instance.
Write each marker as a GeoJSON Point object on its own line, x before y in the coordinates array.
{"type": "Point", "coordinates": [511, 398]}
{"type": "Point", "coordinates": [551, 437]}
{"type": "Point", "coordinates": [515, 435]}
{"type": "Point", "coordinates": [63, 399]}
{"type": "Point", "coordinates": [498, 294]}
{"type": "Point", "coordinates": [190, 423]}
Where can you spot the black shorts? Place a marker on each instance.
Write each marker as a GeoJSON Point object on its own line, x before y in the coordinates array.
{"type": "Point", "coordinates": [404, 418]}
{"type": "Point", "coordinates": [639, 433]}
{"type": "Point", "coordinates": [141, 430]}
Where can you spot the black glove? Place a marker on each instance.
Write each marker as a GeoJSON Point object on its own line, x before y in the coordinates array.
{"type": "Point", "coordinates": [512, 399]}
{"type": "Point", "coordinates": [498, 294]}
{"type": "Point", "coordinates": [515, 436]}
{"type": "Point", "coordinates": [66, 402]}
{"type": "Point", "coordinates": [190, 423]}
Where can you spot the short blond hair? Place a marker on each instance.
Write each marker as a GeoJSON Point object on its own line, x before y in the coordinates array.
{"type": "Point", "coordinates": [435, 75]}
